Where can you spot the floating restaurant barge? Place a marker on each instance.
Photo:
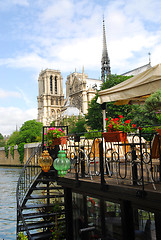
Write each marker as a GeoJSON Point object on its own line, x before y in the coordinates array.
{"type": "Point", "coordinates": [111, 191]}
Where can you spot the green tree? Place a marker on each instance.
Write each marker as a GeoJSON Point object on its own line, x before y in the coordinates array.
{"type": "Point", "coordinates": [14, 138]}
{"type": "Point", "coordinates": [94, 116]}
{"type": "Point", "coordinates": [2, 141]}
{"type": "Point", "coordinates": [113, 80]}
{"type": "Point", "coordinates": [153, 103]}
{"type": "Point", "coordinates": [80, 125]}
{"type": "Point", "coordinates": [30, 131]}
{"type": "Point", "coordinates": [70, 122]}
{"type": "Point", "coordinates": [76, 124]}
{"type": "Point", "coordinates": [146, 114]}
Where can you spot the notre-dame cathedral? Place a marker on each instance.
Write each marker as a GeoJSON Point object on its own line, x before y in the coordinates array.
{"type": "Point", "coordinates": [52, 106]}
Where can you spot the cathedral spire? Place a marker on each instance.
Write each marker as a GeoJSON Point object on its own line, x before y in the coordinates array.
{"type": "Point", "coordinates": [105, 62]}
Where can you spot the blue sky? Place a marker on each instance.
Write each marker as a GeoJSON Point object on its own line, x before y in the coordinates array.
{"type": "Point", "coordinates": [64, 35]}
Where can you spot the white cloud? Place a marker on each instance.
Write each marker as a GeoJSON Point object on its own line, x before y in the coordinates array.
{"type": "Point", "coordinates": [67, 34]}
{"type": "Point", "coordinates": [12, 117]}
{"type": "Point", "coordinates": [5, 94]}
{"type": "Point", "coordinates": [20, 2]}
{"type": "Point", "coordinates": [30, 60]}
{"type": "Point", "coordinates": [59, 9]}
{"type": "Point", "coordinates": [7, 4]}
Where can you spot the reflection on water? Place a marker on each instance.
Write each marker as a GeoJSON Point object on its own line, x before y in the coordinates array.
{"type": "Point", "coordinates": [8, 183]}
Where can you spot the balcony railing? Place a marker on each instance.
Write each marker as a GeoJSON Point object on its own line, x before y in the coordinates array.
{"type": "Point", "coordinates": [133, 162]}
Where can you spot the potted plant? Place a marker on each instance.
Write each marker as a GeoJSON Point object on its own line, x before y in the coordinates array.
{"type": "Point", "coordinates": [117, 129]}
{"type": "Point", "coordinates": [55, 136]}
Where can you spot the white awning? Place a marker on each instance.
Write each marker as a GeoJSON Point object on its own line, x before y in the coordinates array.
{"type": "Point", "coordinates": [137, 87]}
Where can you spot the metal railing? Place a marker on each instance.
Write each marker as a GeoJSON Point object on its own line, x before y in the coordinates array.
{"type": "Point", "coordinates": [132, 162]}
{"type": "Point", "coordinates": [29, 173]}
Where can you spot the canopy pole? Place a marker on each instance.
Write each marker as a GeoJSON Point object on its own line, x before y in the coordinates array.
{"type": "Point", "coordinates": [104, 122]}
{"type": "Point", "coordinates": [103, 106]}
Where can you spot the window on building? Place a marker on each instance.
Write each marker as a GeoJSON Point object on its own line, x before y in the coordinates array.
{"type": "Point", "coordinates": [56, 90]}
{"type": "Point", "coordinates": [51, 84]}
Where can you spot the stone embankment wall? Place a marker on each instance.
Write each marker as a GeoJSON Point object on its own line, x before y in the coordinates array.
{"type": "Point", "coordinates": [10, 161]}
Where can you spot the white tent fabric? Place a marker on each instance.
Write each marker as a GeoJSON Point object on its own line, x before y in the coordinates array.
{"type": "Point", "coordinates": [140, 85]}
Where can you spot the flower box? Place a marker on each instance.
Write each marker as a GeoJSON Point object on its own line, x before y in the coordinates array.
{"type": "Point", "coordinates": [63, 140]}
{"type": "Point", "coordinates": [117, 136]}
{"type": "Point", "coordinates": [59, 141]}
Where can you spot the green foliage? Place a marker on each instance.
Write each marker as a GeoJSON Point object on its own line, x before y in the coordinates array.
{"type": "Point", "coordinates": [116, 110]}
{"type": "Point", "coordinates": [91, 134]}
{"type": "Point", "coordinates": [22, 236]}
{"type": "Point", "coordinates": [30, 130]}
{"type": "Point", "coordinates": [6, 150]}
{"type": "Point", "coordinates": [142, 117]}
{"type": "Point", "coordinates": [14, 138]}
{"type": "Point", "coordinates": [148, 133]}
{"type": "Point", "coordinates": [2, 141]}
{"type": "Point", "coordinates": [58, 230]}
{"type": "Point", "coordinates": [12, 151]}
{"type": "Point", "coordinates": [52, 124]}
{"type": "Point", "coordinates": [94, 118]}
{"type": "Point", "coordinates": [159, 118]}
{"type": "Point", "coordinates": [146, 114]}
{"type": "Point", "coordinates": [20, 150]}
{"type": "Point", "coordinates": [1, 136]}
{"type": "Point", "coordinates": [114, 80]}
{"type": "Point", "coordinates": [75, 124]}
{"type": "Point", "coordinates": [153, 103]}
{"type": "Point", "coordinates": [80, 125]}
{"type": "Point", "coordinates": [70, 122]}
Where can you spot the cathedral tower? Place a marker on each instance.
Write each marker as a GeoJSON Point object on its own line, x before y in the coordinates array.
{"type": "Point", "coordinates": [105, 62]}
{"type": "Point", "coordinates": [51, 97]}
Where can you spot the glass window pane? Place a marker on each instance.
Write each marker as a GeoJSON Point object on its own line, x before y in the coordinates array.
{"type": "Point", "coordinates": [144, 224]}
{"type": "Point", "coordinates": [113, 221]}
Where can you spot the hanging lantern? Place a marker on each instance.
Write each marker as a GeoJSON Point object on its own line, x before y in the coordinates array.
{"type": "Point", "coordinates": [62, 163]}
{"type": "Point", "coordinates": [45, 161]}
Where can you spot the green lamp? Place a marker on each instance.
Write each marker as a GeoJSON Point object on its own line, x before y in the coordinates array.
{"type": "Point", "coordinates": [62, 163]}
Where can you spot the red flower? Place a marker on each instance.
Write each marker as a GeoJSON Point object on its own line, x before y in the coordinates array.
{"type": "Point", "coordinates": [134, 125]}
{"type": "Point", "coordinates": [106, 119]}
{"type": "Point", "coordinates": [116, 119]}
{"type": "Point", "coordinates": [120, 116]}
{"type": "Point", "coordinates": [127, 121]}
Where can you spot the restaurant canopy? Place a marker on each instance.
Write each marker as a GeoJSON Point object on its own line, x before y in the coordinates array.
{"type": "Point", "coordinates": [135, 89]}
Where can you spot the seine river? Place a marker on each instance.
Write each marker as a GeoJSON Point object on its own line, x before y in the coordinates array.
{"type": "Point", "coordinates": [8, 183]}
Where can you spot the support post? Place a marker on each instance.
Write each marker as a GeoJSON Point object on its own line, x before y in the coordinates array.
{"type": "Point", "coordinates": [158, 224]}
{"type": "Point", "coordinates": [68, 213]}
{"type": "Point", "coordinates": [101, 163]}
{"type": "Point", "coordinates": [103, 106]}
{"type": "Point", "coordinates": [102, 213]}
{"type": "Point", "coordinates": [127, 220]}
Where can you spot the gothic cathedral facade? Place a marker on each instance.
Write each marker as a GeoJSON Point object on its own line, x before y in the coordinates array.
{"type": "Point", "coordinates": [79, 91]}
{"type": "Point", "coordinates": [51, 97]}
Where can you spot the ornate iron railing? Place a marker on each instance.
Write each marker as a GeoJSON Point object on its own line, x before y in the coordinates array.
{"type": "Point", "coordinates": [29, 173]}
{"type": "Point", "coordinates": [132, 162]}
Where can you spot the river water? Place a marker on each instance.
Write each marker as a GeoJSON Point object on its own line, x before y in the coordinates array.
{"type": "Point", "coordinates": [8, 183]}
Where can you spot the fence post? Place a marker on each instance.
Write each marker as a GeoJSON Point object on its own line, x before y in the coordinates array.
{"type": "Point", "coordinates": [101, 163]}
